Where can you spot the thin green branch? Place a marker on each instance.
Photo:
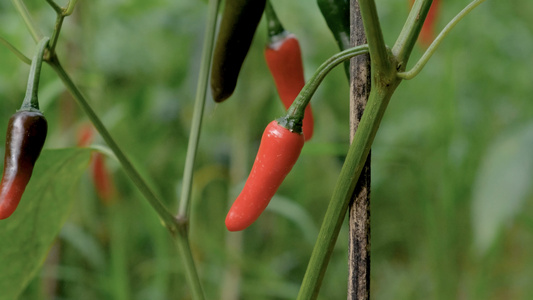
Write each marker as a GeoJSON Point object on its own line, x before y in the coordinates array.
{"type": "Point", "coordinates": [62, 13]}
{"type": "Point", "coordinates": [70, 8]}
{"type": "Point", "coordinates": [194, 138]}
{"type": "Point", "coordinates": [15, 51]}
{"type": "Point", "coordinates": [201, 90]}
{"type": "Point", "coordinates": [168, 219]}
{"type": "Point", "coordinates": [433, 47]}
{"type": "Point", "coordinates": [379, 57]}
{"type": "Point", "coordinates": [55, 6]}
{"type": "Point", "coordinates": [55, 34]}
{"type": "Point", "coordinates": [406, 40]}
{"type": "Point", "coordinates": [182, 241]}
{"type": "Point", "coordinates": [23, 11]}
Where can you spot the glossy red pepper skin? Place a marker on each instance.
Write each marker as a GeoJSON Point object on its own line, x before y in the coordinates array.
{"type": "Point", "coordinates": [278, 152]}
{"type": "Point", "coordinates": [26, 133]}
{"type": "Point", "coordinates": [284, 60]}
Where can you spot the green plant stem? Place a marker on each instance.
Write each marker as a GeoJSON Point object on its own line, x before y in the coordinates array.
{"type": "Point", "coordinates": [55, 6]}
{"type": "Point", "coordinates": [23, 11]}
{"type": "Point", "coordinates": [379, 57]}
{"type": "Point", "coordinates": [70, 7]}
{"type": "Point", "coordinates": [407, 39]}
{"type": "Point", "coordinates": [62, 13]}
{"type": "Point", "coordinates": [15, 51]}
{"type": "Point", "coordinates": [349, 175]}
{"type": "Point", "coordinates": [177, 228]}
{"type": "Point", "coordinates": [295, 113]}
{"type": "Point", "coordinates": [31, 100]}
{"type": "Point", "coordinates": [433, 47]}
{"type": "Point", "coordinates": [384, 82]}
{"type": "Point", "coordinates": [168, 219]}
{"type": "Point", "coordinates": [55, 34]}
{"type": "Point", "coordinates": [199, 104]}
{"type": "Point", "coordinates": [182, 241]}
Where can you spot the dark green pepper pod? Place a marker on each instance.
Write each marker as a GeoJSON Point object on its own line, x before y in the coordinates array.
{"type": "Point", "coordinates": [26, 133]}
{"type": "Point", "coordinates": [239, 22]}
{"type": "Point", "coordinates": [337, 15]}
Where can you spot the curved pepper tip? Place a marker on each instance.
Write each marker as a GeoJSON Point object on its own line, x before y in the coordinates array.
{"type": "Point", "coordinates": [234, 223]}
{"type": "Point", "coordinates": [219, 94]}
{"type": "Point", "coordinates": [10, 197]}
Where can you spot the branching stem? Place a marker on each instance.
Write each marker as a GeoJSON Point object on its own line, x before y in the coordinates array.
{"type": "Point", "coordinates": [433, 47]}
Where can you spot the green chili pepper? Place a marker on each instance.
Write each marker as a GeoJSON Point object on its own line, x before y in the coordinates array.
{"type": "Point", "coordinates": [239, 22]}
{"type": "Point", "coordinates": [337, 15]}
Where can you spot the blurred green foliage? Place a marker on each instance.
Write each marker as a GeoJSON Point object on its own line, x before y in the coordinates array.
{"type": "Point", "coordinates": [436, 158]}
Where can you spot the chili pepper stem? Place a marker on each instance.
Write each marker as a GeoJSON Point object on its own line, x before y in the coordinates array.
{"type": "Point", "coordinates": [31, 101]}
{"type": "Point", "coordinates": [274, 26]}
{"type": "Point", "coordinates": [295, 113]}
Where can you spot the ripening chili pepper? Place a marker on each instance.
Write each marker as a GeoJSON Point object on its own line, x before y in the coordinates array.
{"type": "Point", "coordinates": [427, 33]}
{"type": "Point", "coordinates": [26, 133]}
{"type": "Point", "coordinates": [278, 152]}
{"type": "Point", "coordinates": [337, 16]}
{"type": "Point", "coordinates": [102, 178]}
{"type": "Point", "coordinates": [85, 135]}
{"type": "Point", "coordinates": [284, 60]}
{"type": "Point", "coordinates": [237, 28]}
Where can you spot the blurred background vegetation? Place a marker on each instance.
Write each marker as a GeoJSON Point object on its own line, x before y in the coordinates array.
{"type": "Point", "coordinates": [452, 165]}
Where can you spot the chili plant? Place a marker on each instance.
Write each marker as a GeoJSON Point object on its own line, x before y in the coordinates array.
{"type": "Point", "coordinates": [388, 70]}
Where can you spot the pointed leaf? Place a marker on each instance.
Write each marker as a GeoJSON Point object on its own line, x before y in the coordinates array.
{"type": "Point", "coordinates": [27, 235]}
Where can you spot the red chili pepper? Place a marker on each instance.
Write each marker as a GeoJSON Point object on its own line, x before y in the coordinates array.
{"type": "Point", "coordinates": [278, 152]}
{"type": "Point", "coordinates": [284, 59]}
{"type": "Point", "coordinates": [427, 34]}
{"type": "Point", "coordinates": [102, 179]}
{"type": "Point", "coordinates": [85, 135]}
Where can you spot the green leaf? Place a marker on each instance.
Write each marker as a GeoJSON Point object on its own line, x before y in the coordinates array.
{"type": "Point", "coordinates": [27, 235]}
{"type": "Point", "coordinates": [502, 184]}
